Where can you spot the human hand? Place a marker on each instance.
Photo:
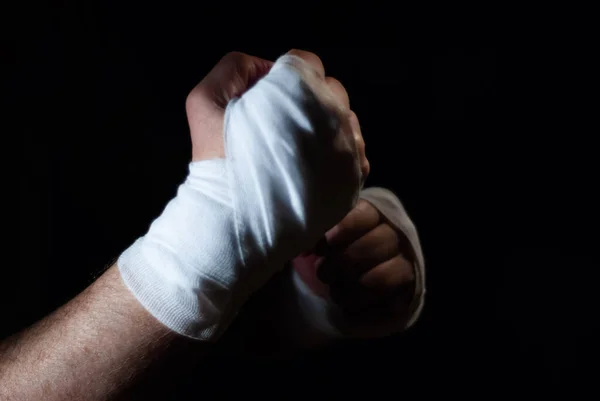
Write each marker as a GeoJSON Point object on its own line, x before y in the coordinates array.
{"type": "Point", "coordinates": [233, 75]}
{"type": "Point", "coordinates": [366, 271]}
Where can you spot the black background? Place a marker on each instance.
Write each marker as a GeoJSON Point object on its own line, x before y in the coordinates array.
{"type": "Point", "coordinates": [500, 191]}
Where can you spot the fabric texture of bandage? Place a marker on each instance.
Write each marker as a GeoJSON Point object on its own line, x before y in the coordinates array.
{"type": "Point", "coordinates": [289, 174]}
{"type": "Point", "coordinates": [323, 315]}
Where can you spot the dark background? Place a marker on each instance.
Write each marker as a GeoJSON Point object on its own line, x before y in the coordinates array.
{"type": "Point", "coordinates": [501, 193]}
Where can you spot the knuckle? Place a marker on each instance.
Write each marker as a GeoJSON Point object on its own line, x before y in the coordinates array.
{"type": "Point", "coordinates": [367, 208]}
{"type": "Point", "coordinates": [354, 123]}
{"type": "Point", "coordinates": [234, 56]}
{"type": "Point", "coordinates": [300, 52]}
{"type": "Point", "coordinates": [311, 58]}
{"type": "Point", "coordinates": [349, 222]}
{"type": "Point", "coordinates": [352, 220]}
{"type": "Point", "coordinates": [360, 142]}
{"type": "Point", "coordinates": [196, 99]}
{"type": "Point", "coordinates": [192, 99]}
{"type": "Point", "coordinates": [360, 210]}
{"type": "Point", "coordinates": [334, 81]}
{"type": "Point", "coordinates": [365, 168]}
{"type": "Point", "coordinates": [359, 219]}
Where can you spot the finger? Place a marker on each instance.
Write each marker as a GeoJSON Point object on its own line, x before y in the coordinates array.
{"type": "Point", "coordinates": [365, 166]}
{"type": "Point", "coordinates": [235, 73]}
{"type": "Point", "coordinates": [338, 91]}
{"type": "Point", "coordinates": [379, 286]}
{"type": "Point", "coordinates": [250, 68]}
{"type": "Point", "coordinates": [311, 59]}
{"type": "Point", "coordinates": [362, 219]}
{"type": "Point", "coordinates": [386, 278]}
{"type": "Point", "coordinates": [372, 249]}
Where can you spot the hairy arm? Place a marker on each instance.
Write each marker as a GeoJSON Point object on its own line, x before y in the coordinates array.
{"type": "Point", "coordinates": [93, 348]}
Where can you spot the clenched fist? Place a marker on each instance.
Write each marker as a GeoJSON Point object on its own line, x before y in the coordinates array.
{"type": "Point", "coordinates": [366, 269]}
{"type": "Point", "coordinates": [234, 75]}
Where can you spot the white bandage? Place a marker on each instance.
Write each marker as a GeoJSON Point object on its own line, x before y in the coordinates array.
{"type": "Point", "coordinates": [290, 173]}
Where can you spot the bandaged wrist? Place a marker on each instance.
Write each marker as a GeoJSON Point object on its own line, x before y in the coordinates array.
{"type": "Point", "coordinates": [235, 221]}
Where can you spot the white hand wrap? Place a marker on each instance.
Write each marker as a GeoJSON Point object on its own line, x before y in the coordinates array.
{"type": "Point", "coordinates": [290, 173]}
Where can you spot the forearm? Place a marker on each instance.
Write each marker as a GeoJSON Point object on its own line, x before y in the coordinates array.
{"type": "Point", "coordinates": [92, 348]}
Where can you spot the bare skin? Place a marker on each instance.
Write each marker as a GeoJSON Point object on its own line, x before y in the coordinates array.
{"type": "Point", "coordinates": [90, 349]}
{"type": "Point", "coordinates": [102, 342]}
